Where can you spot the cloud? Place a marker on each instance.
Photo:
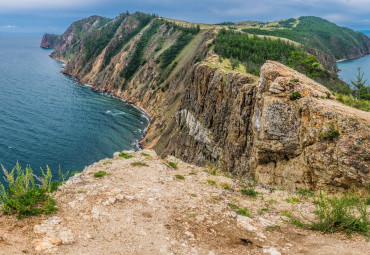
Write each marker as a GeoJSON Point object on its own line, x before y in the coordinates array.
{"type": "Point", "coordinates": [20, 5]}
{"type": "Point", "coordinates": [8, 27]}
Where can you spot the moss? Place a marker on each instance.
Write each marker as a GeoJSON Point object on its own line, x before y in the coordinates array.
{"type": "Point", "coordinates": [100, 174]}
{"type": "Point", "coordinates": [139, 163]}
{"type": "Point", "coordinates": [125, 155]}
{"type": "Point", "coordinates": [295, 95]}
{"type": "Point", "coordinates": [180, 177]}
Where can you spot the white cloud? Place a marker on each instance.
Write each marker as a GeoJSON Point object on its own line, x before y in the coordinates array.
{"type": "Point", "coordinates": [14, 5]}
{"type": "Point", "coordinates": [8, 27]}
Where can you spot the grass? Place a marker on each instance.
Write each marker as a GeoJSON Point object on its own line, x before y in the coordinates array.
{"type": "Point", "coordinates": [305, 193]}
{"type": "Point", "coordinates": [293, 200]}
{"type": "Point", "coordinates": [347, 212]}
{"type": "Point", "coordinates": [331, 135]}
{"type": "Point", "coordinates": [75, 172]}
{"type": "Point", "coordinates": [286, 214]}
{"type": "Point", "coordinates": [211, 169]}
{"type": "Point", "coordinates": [298, 223]}
{"type": "Point", "coordinates": [139, 163]}
{"type": "Point", "coordinates": [225, 185]}
{"type": "Point", "coordinates": [233, 206]}
{"type": "Point", "coordinates": [273, 228]}
{"type": "Point", "coordinates": [125, 155]}
{"type": "Point", "coordinates": [145, 154]}
{"type": "Point", "coordinates": [262, 210]}
{"type": "Point", "coordinates": [250, 192]}
{"type": "Point", "coordinates": [243, 212]}
{"type": "Point", "coordinates": [180, 177]}
{"type": "Point", "coordinates": [212, 182]}
{"type": "Point", "coordinates": [100, 174]}
{"type": "Point", "coordinates": [23, 196]}
{"type": "Point", "coordinates": [172, 164]}
{"type": "Point", "coordinates": [355, 103]}
{"type": "Point", "coordinates": [193, 195]}
{"type": "Point", "coordinates": [272, 201]}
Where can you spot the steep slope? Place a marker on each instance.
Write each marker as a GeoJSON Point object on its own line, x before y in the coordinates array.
{"type": "Point", "coordinates": [205, 113]}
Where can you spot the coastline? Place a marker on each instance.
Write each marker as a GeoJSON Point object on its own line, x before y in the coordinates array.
{"type": "Point", "coordinates": [111, 94]}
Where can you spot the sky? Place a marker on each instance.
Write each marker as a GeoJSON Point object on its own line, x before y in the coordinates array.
{"type": "Point", "coordinates": [54, 16]}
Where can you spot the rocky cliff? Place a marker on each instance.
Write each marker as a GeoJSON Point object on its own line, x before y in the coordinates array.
{"type": "Point", "coordinates": [205, 113]}
{"type": "Point", "coordinates": [50, 41]}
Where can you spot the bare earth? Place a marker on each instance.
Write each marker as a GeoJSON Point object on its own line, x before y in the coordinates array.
{"type": "Point", "coordinates": [147, 210]}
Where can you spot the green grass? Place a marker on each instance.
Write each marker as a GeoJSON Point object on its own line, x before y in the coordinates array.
{"type": "Point", "coordinates": [212, 182]}
{"type": "Point", "coordinates": [145, 154]}
{"type": "Point", "coordinates": [347, 213]}
{"type": "Point", "coordinates": [262, 210]}
{"type": "Point", "coordinates": [273, 228]}
{"type": "Point", "coordinates": [25, 198]}
{"type": "Point", "coordinates": [243, 212]}
{"type": "Point", "coordinates": [298, 223]}
{"type": "Point", "coordinates": [225, 185]}
{"type": "Point", "coordinates": [250, 192]}
{"type": "Point", "coordinates": [355, 103]}
{"type": "Point", "coordinates": [172, 164]}
{"type": "Point", "coordinates": [295, 80]}
{"type": "Point", "coordinates": [193, 195]}
{"type": "Point", "coordinates": [233, 206]}
{"type": "Point", "coordinates": [100, 174]}
{"type": "Point", "coordinates": [305, 193]}
{"type": "Point", "coordinates": [180, 177]}
{"type": "Point", "coordinates": [286, 214]}
{"type": "Point", "coordinates": [125, 155]}
{"type": "Point", "coordinates": [293, 200]}
{"type": "Point", "coordinates": [331, 135]}
{"type": "Point", "coordinates": [139, 163]}
{"type": "Point", "coordinates": [272, 201]}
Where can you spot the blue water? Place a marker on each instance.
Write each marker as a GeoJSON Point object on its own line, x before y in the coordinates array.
{"type": "Point", "coordinates": [348, 68]}
{"type": "Point", "coordinates": [46, 119]}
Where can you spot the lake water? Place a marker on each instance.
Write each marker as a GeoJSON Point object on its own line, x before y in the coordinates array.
{"type": "Point", "coordinates": [348, 68]}
{"type": "Point", "coordinates": [46, 119]}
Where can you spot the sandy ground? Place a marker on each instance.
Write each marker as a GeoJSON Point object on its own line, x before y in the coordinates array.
{"type": "Point", "coordinates": [147, 210]}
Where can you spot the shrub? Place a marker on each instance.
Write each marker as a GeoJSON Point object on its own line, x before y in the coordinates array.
{"type": "Point", "coordinates": [100, 174]}
{"type": "Point", "coordinates": [305, 192]}
{"type": "Point", "coordinates": [331, 135]}
{"type": "Point", "coordinates": [346, 213]}
{"type": "Point", "coordinates": [295, 80]}
{"type": "Point", "coordinates": [23, 197]}
{"type": "Point", "coordinates": [180, 177]}
{"type": "Point", "coordinates": [125, 155]}
{"type": "Point", "coordinates": [139, 163]}
{"type": "Point", "coordinates": [295, 95]}
{"type": "Point", "coordinates": [225, 185]}
{"type": "Point", "coordinates": [212, 182]}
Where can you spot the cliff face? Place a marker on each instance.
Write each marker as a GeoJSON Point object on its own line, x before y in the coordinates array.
{"type": "Point", "coordinates": [50, 41]}
{"type": "Point", "coordinates": [203, 113]}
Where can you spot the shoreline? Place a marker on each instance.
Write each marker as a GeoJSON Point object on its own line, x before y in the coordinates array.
{"type": "Point", "coordinates": [112, 94]}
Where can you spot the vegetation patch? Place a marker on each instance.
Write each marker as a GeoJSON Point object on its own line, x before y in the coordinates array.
{"type": "Point", "coordinates": [212, 182]}
{"type": "Point", "coordinates": [139, 163]}
{"type": "Point", "coordinates": [125, 155]}
{"type": "Point", "coordinates": [243, 212]}
{"type": "Point", "coordinates": [262, 210]}
{"type": "Point", "coordinates": [295, 95]}
{"type": "Point", "coordinates": [233, 206]}
{"type": "Point", "coordinates": [273, 228]}
{"type": "Point", "coordinates": [305, 193]}
{"type": "Point", "coordinates": [331, 135]}
{"type": "Point", "coordinates": [347, 213]}
{"type": "Point", "coordinates": [180, 177]}
{"type": "Point", "coordinates": [23, 196]}
{"type": "Point", "coordinates": [100, 174]}
{"type": "Point", "coordinates": [250, 192]}
{"type": "Point", "coordinates": [293, 200]}
{"type": "Point", "coordinates": [361, 104]}
{"type": "Point", "coordinates": [172, 164]}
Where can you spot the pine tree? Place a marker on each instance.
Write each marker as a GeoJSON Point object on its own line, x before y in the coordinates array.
{"type": "Point", "coordinates": [359, 83]}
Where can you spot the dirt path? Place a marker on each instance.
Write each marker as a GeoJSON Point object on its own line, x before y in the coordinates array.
{"type": "Point", "coordinates": [147, 210]}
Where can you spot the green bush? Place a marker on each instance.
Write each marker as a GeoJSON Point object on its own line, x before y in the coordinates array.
{"type": "Point", "coordinates": [25, 198]}
{"type": "Point", "coordinates": [243, 212]}
{"type": "Point", "coordinates": [346, 213]}
{"type": "Point", "coordinates": [331, 135]}
{"type": "Point", "coordinates": [172, 164]}
{"type": "Point", "coordinates": [295, 95]}
{"type": "Point", "coordinates": [250, 192]}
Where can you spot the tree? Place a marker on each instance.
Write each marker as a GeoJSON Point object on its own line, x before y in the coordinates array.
{"type": "Point", "coordinates": [359, 83]}
{"type": "Point", "coordinates": [234, 63]}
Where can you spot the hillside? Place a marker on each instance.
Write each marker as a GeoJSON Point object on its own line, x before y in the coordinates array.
{"type": "Point", "coordinates": [205, 112]}
{"type": "Point", "coordinates": [156, 209]}
{"type": "Point", "coordinates": [319, 34]}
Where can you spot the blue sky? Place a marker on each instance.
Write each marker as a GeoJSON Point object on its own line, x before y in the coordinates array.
{"type": "Point", "coordinates": [54, 16]}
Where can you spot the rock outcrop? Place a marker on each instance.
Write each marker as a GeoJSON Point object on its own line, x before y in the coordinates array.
{"type": "Point", "coordinates": [50, 41]}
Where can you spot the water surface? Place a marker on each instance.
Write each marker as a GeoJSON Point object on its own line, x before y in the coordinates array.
{"type": "Point", "coordinates": [46, 118]}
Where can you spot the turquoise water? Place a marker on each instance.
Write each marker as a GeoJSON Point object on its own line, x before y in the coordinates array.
{"type": "Point", "coordinates": [348, 68]}
{"type": "Point", "coordinates": [46, 118]}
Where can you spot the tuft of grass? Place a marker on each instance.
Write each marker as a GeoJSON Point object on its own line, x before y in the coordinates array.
{"type": "Point", "coordinates": [293, 200]}
{"type": "Point", "coordinates": [193, 195]}
{"type": "Point", "coordinates": [295, 95]}
{"type": "Point", "coordinates": [212, 182]}
{"type": "Point", "coordinates": [139, 163]}
{"type": "Point", "coordinates": [180, 177]}
{"type": "Point", "coordinates": [272, 201]}
{"type": "Point", "coordinates": [233, 206]}
{"type": "Point", "coordinates": [172, 164]}
{"type": "Point", "coordinates": [25, 198]}
{"type": "Point", "coordinates": [225, 185]}
{"type": "Point", "coordinates": [107, 162]}
{"type": "Point", "coordinates": [250, 192]}
{"type": "Point", "coordinates": [211, 169]}
{"type": "Point", "coordinates": [262, 210]}
{"type": "Point", "coordinates": [286, 214]}
{"type": "Point", "coordinates": [298, 223]}
{"type": "Point", "coordinates": [100, 174]}
{"type": "Point", "coordinates": [295, 80]}
{"type": "Point", "coordinates": [347, 213]}
{"type": "Point", "coordinates": [125, 155]}
{"type": "Point", "coordinates": [243, 212]}
{"type": "Point", "coordinates": [145, 154]}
